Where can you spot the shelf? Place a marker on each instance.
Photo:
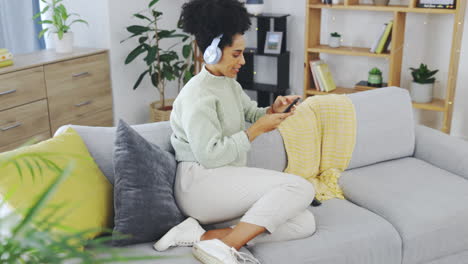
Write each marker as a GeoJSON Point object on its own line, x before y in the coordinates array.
{"type": "Point", "coordinates": [351, 51]}
{"type": "Point", "coordinates": [338, 90]}
{"type": "Point", "coordinates": [392, 8]}
{"type": "Point", "coordinates": [435, 105]}
{"type": "Point", "coordinates": [254, 51]}
{"type": "Point", "coordinates": [262, 87]}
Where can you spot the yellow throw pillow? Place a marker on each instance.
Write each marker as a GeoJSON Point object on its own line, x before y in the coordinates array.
{"type": "Point", "coordinates": [86, 193]}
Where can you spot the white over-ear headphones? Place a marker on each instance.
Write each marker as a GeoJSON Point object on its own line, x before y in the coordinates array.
{"type": "Point", "coordinates": [213, 53]}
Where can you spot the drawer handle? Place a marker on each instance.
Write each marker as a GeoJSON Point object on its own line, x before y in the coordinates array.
{"type": "Point", "coordinates": [11, 127]}
{"type": "Point", "coordinates": [8, 92]}
{"type": "Point", "coordinates": [84, 103]}
{"type": "Point", "coordinates": [82, 74]}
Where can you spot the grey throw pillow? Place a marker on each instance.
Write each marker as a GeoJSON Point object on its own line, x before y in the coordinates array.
{"type": "Point", "coordinates": [144, 204]}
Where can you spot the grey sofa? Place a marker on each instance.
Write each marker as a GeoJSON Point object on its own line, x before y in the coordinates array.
{"type": "Point", "coordinates": [406, 191]}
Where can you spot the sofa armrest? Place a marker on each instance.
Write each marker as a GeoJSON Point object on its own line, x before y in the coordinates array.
{"type": "Point", "coordinates": [441, 150]}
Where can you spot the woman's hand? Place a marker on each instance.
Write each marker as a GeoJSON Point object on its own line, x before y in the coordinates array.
{"type": "Point", "coordinates": [281, 103]}
{"type": "Point", "coordinates": [266, 123]}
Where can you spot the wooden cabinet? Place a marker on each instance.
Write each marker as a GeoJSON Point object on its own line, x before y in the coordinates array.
{"type": "Point", "coordinates": [45, 90]}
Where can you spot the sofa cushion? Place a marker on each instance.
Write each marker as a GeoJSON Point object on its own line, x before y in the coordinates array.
{"type": "Point", "coordinates": [385, 126]}
{"type": "Point", "coordinates": [100, 141]}
{"type": "Point", "coordinates": [345, 234]}
{"type": "Point", "coordinates": [427, 205]}
{"type": "Point", "coordinates": [174, 255]}
{"type": "Point", "coordinates": [86, 195]}
{"type": "Point", "coordinates": [144, 203]}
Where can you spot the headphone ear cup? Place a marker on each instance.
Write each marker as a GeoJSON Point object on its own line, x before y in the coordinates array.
{"type": "Point", "coordinates": [212, 55]}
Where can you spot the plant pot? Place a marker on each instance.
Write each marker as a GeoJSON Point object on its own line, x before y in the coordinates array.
{"type": "Point", "coordinates": [421, 93]}
{"type": "Point", "coordinates": [334, 42]}
{"type": "Point", "coordinates": [254, 9]}
{"type": "Point", "coordinates": [375, 80]}
{"type": "Point", "coordinates": [157, 114]}
{"type": "Point", "coordinates": [64, 45]}
{"type": "Point", "coordinates": [381, 2]}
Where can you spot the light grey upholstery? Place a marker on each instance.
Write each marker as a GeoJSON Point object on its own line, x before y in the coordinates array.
{"type": "Point", "coordinates": [409, 203]}
{"type": "Point", "coordinates": [385, 126]}
{"type": "Point", "coordinates": [441, 150]}
{"type": "Point", "coordinates": [345, 234]}
{"type": "Point", "coordinates": [427, 205]}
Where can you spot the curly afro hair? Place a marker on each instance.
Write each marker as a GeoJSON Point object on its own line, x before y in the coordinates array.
{"type": "Point", "coordinates": [207, 19]}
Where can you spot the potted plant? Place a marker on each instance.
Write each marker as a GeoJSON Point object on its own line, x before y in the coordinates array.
{"type": "Point", "coordinates": [381, 2]}
{"type": "Point", "coordinates": [254, 7]}
{"type": "Point", "coordinates": [162, 65]}
{"type": "Point", "coordinates": [59, 24]}
{"type": "Point", "coordinates": [423, 84]}
{"type": "Point", "coordinates": [334, 40]}
{"type": "Point", "coordinates": [33, 237]}
{"type": "Point", "coordinates": [375, 77]}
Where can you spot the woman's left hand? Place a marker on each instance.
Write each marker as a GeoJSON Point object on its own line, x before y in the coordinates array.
{"type": "Point", "coordinates": [282, 102]}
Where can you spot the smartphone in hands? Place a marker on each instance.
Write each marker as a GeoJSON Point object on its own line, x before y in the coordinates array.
{"type": "Point", "coordinates": [287, 110]}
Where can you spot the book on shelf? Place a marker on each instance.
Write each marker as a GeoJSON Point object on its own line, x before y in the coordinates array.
{"type": "Point", "coordinates": [323, 79]}
{"type": "Point", "coordinates": [313, 65]}
{"type": "Point", "coordinates": [444, 4]}
{"type": "Point", "coordinates": [385, 38]}
{"type": "Point", "coordinates": [377, 40]}
{"type": "Point", "coordinates": [6, 58]}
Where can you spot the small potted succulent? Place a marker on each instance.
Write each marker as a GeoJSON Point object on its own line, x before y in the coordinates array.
{"type": "Point", "coordinates": [423, 84]}
{"type": "Point", "coordinates": [375, 77]}
{"type": "Point", "coordinates": [334, 40]}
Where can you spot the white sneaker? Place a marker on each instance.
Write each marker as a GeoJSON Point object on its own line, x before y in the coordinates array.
{"type": "Point", "coordinates": [214, 251]}
{"type": "Point", "coordinates": [185, 234]}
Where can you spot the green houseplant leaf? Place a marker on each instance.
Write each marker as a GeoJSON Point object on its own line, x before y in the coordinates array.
{"type": "Point", "coordinates": [163, 64]}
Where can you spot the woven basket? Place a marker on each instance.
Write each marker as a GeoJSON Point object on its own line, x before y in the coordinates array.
{"type": "Point", "coordinates": [158, 115]}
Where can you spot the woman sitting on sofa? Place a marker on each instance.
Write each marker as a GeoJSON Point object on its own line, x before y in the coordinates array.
{"type": "Point", "coordinates": [213, 184]}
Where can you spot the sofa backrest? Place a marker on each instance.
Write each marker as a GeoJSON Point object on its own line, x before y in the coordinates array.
{"type": "Point", "coordinates": [385, 126]}
{"type": "Point", "coordinates": [385, 131]}
{"type": "Point", "coordinates": [100, 141]}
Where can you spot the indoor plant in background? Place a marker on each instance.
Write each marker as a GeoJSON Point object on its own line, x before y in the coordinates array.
{"type": "Point", "coordinates": [375, 77]}
{"type": "Point", "coordinates": [254, 7]}
{"type": "Point", "coordinates": [162, 65]}
{"type": "Point", "coordinates": [334, 40]}
{"type": "Point", "coordinates": [381, 2]}
{"type": "Point", "coordinates": [33, 237]}
{"type": "Point", "coordinates": [59, 24]}
{"type": "Point", "coordinates": [423, 84]}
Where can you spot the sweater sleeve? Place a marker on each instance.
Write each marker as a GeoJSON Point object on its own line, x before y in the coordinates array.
{"type": "Point", "coordinates": [204, 133]}
{"type": "Point", "coordinates": [251, 112]}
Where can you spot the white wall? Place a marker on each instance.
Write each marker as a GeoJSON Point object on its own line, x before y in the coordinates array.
{"type": "Point", "coordinates": [427, 40]}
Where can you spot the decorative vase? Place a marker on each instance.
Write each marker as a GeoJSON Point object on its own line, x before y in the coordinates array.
{"type": "Point", "coordinates": [254, 7]}
{"type": "Point", "coordinates": [381, 2]}
{"type": "Point", "coordinates": [421, 92]}
{"type": "Point", "coordinates": [64, 45]}
{"type": "Point", "coordinates": [334, 42]}
{"type": "Point", "coordinates": [374, 80]}
{"type": "Point", "coordinates": [157, 114]}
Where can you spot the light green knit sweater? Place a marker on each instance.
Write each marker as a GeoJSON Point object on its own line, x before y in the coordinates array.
{"type": "Point", "coordinates": [208, 121]}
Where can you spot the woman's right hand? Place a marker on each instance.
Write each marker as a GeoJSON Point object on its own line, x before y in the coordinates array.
{"type": "Point", "coordinates": [266, 123]}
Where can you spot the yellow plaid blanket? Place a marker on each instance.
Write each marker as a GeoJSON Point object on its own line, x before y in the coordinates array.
{"type": "Point", "coordinates": [319, 140]}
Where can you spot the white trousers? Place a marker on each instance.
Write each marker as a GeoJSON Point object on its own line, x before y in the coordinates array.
{"type": "Point", "coordinates": [271, 199]}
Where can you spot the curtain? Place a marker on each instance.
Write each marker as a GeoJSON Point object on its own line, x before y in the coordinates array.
{"type": "Point", "coordinates": [18, 31]}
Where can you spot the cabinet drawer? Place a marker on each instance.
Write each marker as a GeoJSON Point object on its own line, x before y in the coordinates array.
{"type": "Point", "coordinates": [77, 87]}
{"type": "Point", "coordinates": [103, 118]}
{"type": "Point", "coordinates": [22, 122]}
{"type": "Point", "coordinates": [21, 87]}
{"type": "Point", "coordinates": [37, 138]}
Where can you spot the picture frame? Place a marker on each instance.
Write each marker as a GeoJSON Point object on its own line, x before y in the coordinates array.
{"type": "Point", "coordinates": [273, 42]}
